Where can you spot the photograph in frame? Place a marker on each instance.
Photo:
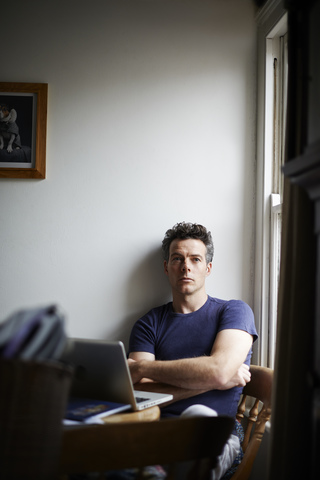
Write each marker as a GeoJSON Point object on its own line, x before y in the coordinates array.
{"type": "Point", "coordinates": [23, 121]}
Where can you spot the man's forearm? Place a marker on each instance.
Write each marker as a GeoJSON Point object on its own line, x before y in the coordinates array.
{"type": "Point", "coordinates": [178, 393]}
{"type": "Point", "coordinates": [199, 373]}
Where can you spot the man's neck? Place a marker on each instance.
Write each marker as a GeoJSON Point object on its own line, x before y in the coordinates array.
{"type": "Point", "coordinates": [188, 303]}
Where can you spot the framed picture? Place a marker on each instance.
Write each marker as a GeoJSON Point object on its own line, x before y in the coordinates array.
{"type": "Point", "coordinates": [23, 130]}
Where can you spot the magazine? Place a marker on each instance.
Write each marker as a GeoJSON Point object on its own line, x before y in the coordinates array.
{"type": "Point", "coordinates": [87, 410]}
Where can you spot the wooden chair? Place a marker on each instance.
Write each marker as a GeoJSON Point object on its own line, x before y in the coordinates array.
{"type": "Point", "coordinates": [256, 397]}
{"type": "Point", "coordinates": [98, 448]}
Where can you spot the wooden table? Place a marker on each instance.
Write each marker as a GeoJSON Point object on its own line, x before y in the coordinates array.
{"type": "Point", "coordinates": [151, 414]}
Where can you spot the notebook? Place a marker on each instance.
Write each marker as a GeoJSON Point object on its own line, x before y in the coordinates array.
{"type": "Point", "coordinates": [102, 372]}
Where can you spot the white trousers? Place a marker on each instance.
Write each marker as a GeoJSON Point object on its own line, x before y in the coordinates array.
{"type": "Point", "coordinates": [231, 448]}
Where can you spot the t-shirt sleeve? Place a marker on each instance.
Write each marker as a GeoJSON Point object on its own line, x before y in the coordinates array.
{"type": "Point", "coordinates": [143, 335]}
{"type": "Point", "coordinates": [236, 314]}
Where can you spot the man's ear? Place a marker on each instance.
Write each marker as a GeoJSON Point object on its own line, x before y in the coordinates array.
{"type": "Point", "coordinates": [209, 268]}
{"type": "Point", "coordinates": [165, 265]}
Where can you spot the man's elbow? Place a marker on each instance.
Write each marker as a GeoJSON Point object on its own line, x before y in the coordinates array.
{"type": "Point", "coordinates": [221, 381]}
{"type": "Point", "coordinates": [217, 378]}
{"type": "Point", "coordinates": [223, 377]}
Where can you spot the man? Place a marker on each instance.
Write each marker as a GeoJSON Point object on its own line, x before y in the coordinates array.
{"type": "Point", "coordinates": [198, 347]}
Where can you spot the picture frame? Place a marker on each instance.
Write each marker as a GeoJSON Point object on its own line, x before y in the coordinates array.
{"type": "Point", "coordinates": [23, 125]}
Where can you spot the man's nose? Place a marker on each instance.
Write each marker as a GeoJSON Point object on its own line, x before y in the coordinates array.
{"type": "Point", "coordinates": [185, 266]}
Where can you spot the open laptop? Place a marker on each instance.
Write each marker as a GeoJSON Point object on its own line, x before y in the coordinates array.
{"type": "Point", "coordinates": [102, 372]}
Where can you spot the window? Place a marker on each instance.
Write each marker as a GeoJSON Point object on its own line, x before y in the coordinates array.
{"type": "Point", "coordinates": [271, 127]}
{"type": "Point", "coordinates": [279, 58]}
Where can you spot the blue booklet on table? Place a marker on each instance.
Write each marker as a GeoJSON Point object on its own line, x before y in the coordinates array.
{"type": "Point", "coordinates": [87, 410]}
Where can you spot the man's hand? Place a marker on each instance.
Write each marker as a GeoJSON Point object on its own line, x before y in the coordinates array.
{"type": "Point", "coordinates": [240, 378]}
{"type": "Point", "coordinates": [134, 371]}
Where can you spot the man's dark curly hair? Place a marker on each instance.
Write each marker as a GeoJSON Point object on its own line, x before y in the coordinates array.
{"type": "Point", "coordinates": [184, 231]}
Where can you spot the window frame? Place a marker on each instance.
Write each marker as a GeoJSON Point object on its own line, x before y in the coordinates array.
{"type": "Point", "coordinates": [272, 23]}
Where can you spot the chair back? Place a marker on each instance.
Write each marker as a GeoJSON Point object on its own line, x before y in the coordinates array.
{"type": "Point", "coordinates": [256, 399]}
{"type": "Point", "coordinates": [93, 448]}
{"type": "Point", "coordinates": [32, 405]}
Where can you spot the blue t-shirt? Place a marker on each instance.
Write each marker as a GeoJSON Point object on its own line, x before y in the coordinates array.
{"type": "Point", "coordinates": [170, 336]}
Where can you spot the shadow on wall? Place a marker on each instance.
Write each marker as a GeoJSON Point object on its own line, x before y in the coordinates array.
{"type": "Point", "coordinates": [147, 287]}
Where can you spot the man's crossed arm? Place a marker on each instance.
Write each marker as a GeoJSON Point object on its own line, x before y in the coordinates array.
{"type": "Point", "coordinates": [223, 369]}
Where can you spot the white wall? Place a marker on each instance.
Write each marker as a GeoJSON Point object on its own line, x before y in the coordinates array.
{"type": "Point", "coordinates": [151, 120]}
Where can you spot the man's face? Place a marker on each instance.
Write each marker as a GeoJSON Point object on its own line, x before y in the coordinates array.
{"type": "Point", "coordinates": [187, 268]}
